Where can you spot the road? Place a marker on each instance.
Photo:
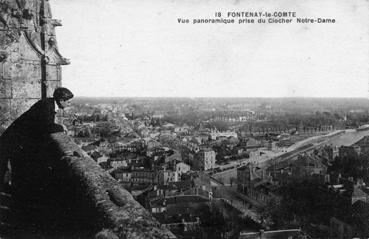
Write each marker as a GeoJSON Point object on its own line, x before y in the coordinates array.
{"type": "Point", "coordinates": [315, 139]}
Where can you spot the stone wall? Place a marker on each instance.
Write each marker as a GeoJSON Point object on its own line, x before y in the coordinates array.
{"type": "Point", "coordinates": [66, 194]}
{"type": "Point", "coordinates": [30, 63]}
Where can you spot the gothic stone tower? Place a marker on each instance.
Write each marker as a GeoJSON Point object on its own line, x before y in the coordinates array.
{"type": "Point", "coordinates": [30, 63]}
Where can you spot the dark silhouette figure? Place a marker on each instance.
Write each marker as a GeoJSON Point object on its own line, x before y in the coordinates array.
{"type": "Point", "coordinates": [19, 143]}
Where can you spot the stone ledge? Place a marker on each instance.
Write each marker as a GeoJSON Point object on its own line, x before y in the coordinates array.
{"type": "Point", "coordinates": [121, 215]}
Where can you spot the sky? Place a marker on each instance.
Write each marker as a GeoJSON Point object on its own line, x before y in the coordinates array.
{"type": "Point", "coordinates": [123, 48]}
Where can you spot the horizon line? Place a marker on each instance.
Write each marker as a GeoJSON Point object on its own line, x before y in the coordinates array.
{"type": "Point", "coordinates": [231, 97]}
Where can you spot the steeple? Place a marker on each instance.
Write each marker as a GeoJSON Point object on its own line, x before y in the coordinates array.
{"type": "Point", "coordinates": [30, 62]}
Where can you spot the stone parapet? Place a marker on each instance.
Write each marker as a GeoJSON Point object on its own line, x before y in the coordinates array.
{"type": "Point", "coordinates": [121, 215]}
{"type": "Point", "coordinates": [63, 192]}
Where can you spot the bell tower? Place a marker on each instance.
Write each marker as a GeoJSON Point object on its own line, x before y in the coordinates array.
{"type": "Point", "coordinates": [30, 62]}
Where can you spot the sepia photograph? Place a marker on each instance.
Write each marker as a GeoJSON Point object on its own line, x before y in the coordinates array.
{"type": "Point", "coordinates": [192, 119]}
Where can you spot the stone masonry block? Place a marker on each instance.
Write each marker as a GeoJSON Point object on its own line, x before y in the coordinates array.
{"type": "Point", "coordinates": [19, 106]}
{"type": "Point", "coordinates": [26, 88]}
{"type": "Point", "coordinates": [51, 86]}
{"type": "Point", "coordinates": [5, 118]}
{"type": "Point", "coordinates": [52, 73]}
{"type": "Point", "coordinates": [12, 70]}
{"type": "Point", "coordinates": [23, 69]}
{"type": "Point", "coordinates": [5, 88]}
{"type": "Point", "coordinates": [4, 105]}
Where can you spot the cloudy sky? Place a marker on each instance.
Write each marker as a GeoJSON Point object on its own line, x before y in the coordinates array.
{"type": "Point", "coordinates": [138, 48]}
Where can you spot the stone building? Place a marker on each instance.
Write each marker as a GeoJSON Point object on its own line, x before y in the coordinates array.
{"type": "Point", "coordinates": [349, 151]}
{"type": "Point", "coordinates": [255, 183]}
{"type": "Point", "coordinates": [30, 63]}
{"type": "Point", "coordinates": [203, 159]}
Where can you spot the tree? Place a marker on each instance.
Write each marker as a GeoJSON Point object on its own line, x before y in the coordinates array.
{"type": "Point", "coordinates": [303, 203]}
{"type": "Point", "coordinates": [213, 221]}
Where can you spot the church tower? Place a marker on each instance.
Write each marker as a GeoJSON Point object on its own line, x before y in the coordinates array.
{"type": "Point", "coordinates": [30, 63]}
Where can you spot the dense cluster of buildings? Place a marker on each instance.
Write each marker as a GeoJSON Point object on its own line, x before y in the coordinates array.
{"type": "Point", "coordinates": [171, 169]}
{"type": "Point", "coordinates": [319, 166]}
{"type": "Point", "coordinates": [165, 166]}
